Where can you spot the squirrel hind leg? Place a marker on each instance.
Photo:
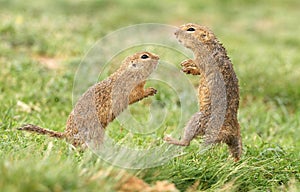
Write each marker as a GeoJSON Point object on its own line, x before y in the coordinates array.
{"type": "Point", "coordinates": [191, 130]}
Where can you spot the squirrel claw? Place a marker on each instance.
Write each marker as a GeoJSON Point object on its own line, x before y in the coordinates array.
{"type": "Point", "coordinates": [187, 63]}
{"type": "Point", "coordinates": [189, 70]}
{"type": "Point", "coordinates": [151, 91]}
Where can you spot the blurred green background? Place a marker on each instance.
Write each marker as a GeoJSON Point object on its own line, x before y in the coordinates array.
{"type": "Point", "coordinates": [43, 42]}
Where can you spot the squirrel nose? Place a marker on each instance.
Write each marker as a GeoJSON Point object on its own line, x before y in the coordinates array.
{"type": "Point", "coordinates": [176, 33]}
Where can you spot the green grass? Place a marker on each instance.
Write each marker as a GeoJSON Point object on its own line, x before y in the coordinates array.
{"type": "Point", "coordinates": [262, 39]}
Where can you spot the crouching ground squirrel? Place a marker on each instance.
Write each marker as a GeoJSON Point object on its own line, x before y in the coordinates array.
{"type": "Point", "coordinates": [209, 53]}
{"type": "Point", "coordinates": [104, 101]}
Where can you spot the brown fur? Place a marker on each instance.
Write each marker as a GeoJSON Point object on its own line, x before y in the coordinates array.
{"type": "Point", "coordinates": [204, 44]}
{"type": "Point", "coordinates": [102, 102]}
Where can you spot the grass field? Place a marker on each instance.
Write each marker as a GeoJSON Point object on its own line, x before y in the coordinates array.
{"type": "Point", "coordinates": [43, 42]}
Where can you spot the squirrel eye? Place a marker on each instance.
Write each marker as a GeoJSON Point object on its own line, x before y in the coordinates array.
{"type": "Point", "coordinates": [144, 56]}
{"type": "Point", "coordinates": [191, 29]}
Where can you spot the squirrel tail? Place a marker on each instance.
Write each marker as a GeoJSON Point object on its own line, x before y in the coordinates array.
{"type": "Point", "coordinates": [40, 130]}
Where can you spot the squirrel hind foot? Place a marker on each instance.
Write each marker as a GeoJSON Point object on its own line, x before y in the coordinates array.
{"type": "Point", "coordinates": [170, 140]}
{"type": "Point", "coordinates": [235, 148]}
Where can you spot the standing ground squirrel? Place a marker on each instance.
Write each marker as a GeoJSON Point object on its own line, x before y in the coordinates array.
{"type": "Point", "coordinates": [104, 101]}
{"type": "Point", "coordinates": [210, 61]}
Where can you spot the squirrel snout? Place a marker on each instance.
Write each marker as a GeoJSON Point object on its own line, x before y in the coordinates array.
{"type": "Point", "coordinates": [176, 33]}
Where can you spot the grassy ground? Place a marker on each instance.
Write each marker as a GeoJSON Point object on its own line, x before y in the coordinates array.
{"type": "Point", "coordinates": [43, 42]}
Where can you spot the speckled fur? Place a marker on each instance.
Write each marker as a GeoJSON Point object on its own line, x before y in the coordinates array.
{"type": "Point", "coordinates": [104, 101]}
{"type": "Point", "coordinates": [198, 40]}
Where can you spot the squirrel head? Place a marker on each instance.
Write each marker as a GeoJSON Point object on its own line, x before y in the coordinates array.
{"type": "Point", "coordinates": [140, 65]}
{"type": "Point", "coordinates": [191, 35]}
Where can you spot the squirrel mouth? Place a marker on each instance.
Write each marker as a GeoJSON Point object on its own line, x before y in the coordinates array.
{"type": "Point", "coordinates": [177, 37]}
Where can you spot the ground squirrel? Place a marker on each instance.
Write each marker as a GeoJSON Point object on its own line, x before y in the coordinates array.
{"type": "Point", "coordinates": [210, 60]}
{"type": "Point", "coordinates": [105, 100]}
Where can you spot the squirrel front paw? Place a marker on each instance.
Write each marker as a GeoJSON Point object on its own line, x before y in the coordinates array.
{"type": "Point", "coordinates": [150, 91]}
{"type": "Point", "coordinates": [189, 67]}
